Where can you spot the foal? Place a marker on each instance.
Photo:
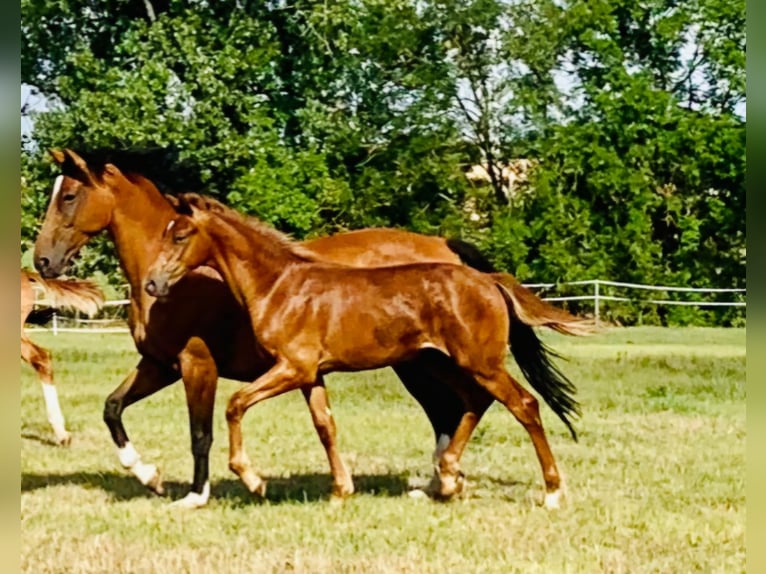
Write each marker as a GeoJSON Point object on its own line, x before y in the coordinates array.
{"type": "Point", "coordinates": [314, 318]}
{"type": "Point", "coordinates": [83, 296]}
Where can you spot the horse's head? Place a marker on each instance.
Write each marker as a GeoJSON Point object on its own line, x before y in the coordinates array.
{"type": "Point", "coordinates": [185, 246]}
{"type": "Point", "coordinates": [81, 206]}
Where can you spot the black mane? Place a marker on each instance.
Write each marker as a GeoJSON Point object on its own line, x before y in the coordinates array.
{"type": "Point", "coordinates": [162, 165]}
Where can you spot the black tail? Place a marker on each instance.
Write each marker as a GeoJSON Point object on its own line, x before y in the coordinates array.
{"type": "Point", "coordinates": [534, 360]}
{"type": "Point", "coordinates": [530, 353]}
{"type": "Point", "coordinates": [40, 316]}
{"type": "Point", "coordinates": [470, 255]}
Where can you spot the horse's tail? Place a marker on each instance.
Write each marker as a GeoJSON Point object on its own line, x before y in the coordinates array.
{"type": "Point", "coordinates": [532, 355]}
{"type": "Point", "coordinates": [75, 294]}
{"type": "Point", "coordinates": [535, 312]}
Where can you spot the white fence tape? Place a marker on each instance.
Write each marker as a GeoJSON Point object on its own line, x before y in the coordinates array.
{"type": "Point", "coordinates": [597, 297]}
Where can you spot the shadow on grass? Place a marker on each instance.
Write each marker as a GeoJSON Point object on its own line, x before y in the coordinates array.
{"type": "Point", "coordinates": [41, 437]}
{"type": "Point", "coordinates": [295, 488]}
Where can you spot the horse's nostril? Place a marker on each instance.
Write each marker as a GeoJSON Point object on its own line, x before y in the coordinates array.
{"type": "Point", "coordinates": [151, 287]}
{"type": "Point", "coordinates": [43, 262]}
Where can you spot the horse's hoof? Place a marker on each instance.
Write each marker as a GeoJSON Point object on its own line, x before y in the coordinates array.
{"type": "Point", "coordinates": [193, 499]}
{"type": "Point", "coordinates": [553, 500]}
{"type": "Point", "coordinates": [255, 484]}
{"type": "Point", "coordinates": [260, 490]}
{"type": "Point", "coordinates": [342, 491]}
{"type": "Point", "coordinates": [446, 488]}
{"type": "Point", "coordinates": [418, 494]}
{"type": "Point", "coordinates": [64, 440]}
{"type": "Point", "coordinates": [155, 484]}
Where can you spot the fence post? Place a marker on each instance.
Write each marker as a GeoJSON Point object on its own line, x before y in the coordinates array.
{"type": "Point", "coordinates": [595, 300]}
{"type": "Point", "coordinates": [55, 324]}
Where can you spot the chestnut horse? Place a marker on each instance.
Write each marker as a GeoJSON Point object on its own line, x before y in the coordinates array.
{"type": "Point", "coordinates": [201, 331]}
{"type": "Point", "coordinates": [315, 318]}
{"type": "Point", "coordinates": [83, 296]}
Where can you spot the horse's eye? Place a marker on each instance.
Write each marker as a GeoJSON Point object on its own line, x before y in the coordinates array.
{"type": "Point", "coordinates": [69, 196]}
{"type": "Point", "coordinates": [180, 238]}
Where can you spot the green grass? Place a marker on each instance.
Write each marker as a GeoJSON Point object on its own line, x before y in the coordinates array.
{"type": "Point", "coordinates": [656, 482]}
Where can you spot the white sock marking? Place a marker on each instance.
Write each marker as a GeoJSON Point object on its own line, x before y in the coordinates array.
{"type": "Point", "coordinates": [130, 459]}
{"type": "Point", "coordinates": [441, 446]}
{"type": "Point", "coordinates": [53, 408]}
{"type": "Point", "coordinates": [128, 456]}
{"type": "Point", "coordinates": [553, 499]}
{"type": "Point", "coordinates": [194, 499]}
{"type": "Point", "coordinates": [144, 472]}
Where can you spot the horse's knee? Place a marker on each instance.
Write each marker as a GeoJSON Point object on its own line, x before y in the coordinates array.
{"type": "Point", "coordinates": [42, 363]}
{"type": "Point", "coordinates": [112, 410]}
{"type": "Point", "coordinates": [233, 410]}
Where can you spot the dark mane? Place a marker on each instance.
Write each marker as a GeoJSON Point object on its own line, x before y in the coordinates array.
{"type": "Point", "coordinates": [276, 237]}
{"type": "Point", "coordinates": [162, 165]}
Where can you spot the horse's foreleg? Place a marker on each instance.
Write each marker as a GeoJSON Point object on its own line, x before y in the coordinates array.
{"type": "Point", "coordinates": [147, 378]}
{"type": "Point", "coordinates": [40, 360]}
{"type": "Point", "coordinates": [281, 378]}
{"type": "Point", "coordinates": [324, 423]}
{"type": "Point", "coordinates": [200, 377]}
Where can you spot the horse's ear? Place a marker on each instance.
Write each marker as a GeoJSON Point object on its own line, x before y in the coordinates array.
{"type": "Point", "coordinates": [172, 200]}
{"type": "Point", "coordinates": [76, 167]}
{"type": "Point", "coordinates": [183, 206]}
{"type": "Point", "coordinates": [112, 170]}
{"type": "Point", "coordinates": [57, 155]}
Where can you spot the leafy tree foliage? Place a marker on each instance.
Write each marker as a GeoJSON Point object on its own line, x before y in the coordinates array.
{"type": "Point", "coordinates": [326, 116]}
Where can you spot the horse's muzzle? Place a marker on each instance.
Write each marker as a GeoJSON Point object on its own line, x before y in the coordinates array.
{"type": "Point", "coordinates": [156, 289]}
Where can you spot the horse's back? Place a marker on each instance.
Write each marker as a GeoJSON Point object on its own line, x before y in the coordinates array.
{"type": "Point", "coordinates": [382, 246]}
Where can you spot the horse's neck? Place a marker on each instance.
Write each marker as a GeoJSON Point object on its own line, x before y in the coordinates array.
{"type": "Point", "coordinates": [250, 260]}
{"type": "Point", "coordinates": [139, 218]}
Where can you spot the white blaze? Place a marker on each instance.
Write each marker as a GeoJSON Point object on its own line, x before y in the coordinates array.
{"type": "Point", "coordinates": [57, 186]}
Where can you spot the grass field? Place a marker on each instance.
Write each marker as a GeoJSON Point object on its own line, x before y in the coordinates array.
{"type": "Point", "coordinates": [656, 482]}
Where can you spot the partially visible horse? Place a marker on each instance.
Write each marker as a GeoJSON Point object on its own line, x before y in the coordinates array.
{"type": "Point", "coordinates": [83, 296]}
{"type": "Point", "coordinates": [314, 318]}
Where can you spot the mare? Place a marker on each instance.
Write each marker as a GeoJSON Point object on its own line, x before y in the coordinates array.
{"type": "Point", "coordinates": [201, 332]}
{"type": "Point", "coordinates": [313, 318]}
{"type": "Point", "coordinates": [83, 296]}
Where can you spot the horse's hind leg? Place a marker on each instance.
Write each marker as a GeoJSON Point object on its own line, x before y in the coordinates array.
{"type": "Point", "coordinates": [525, 408]}
{"type": "Point", "coordinates": [40, 359]}
{"type": "Point", "coordinates": [324, 423]}
{"type": "Point", "coordinates": [147, 378]}
{"type": "Point", "coordinates": [200, 377]}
